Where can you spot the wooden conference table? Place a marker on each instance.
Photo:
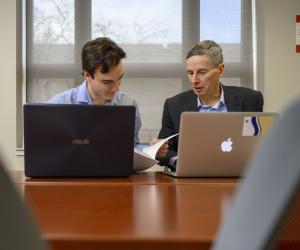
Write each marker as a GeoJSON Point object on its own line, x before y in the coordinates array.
{"type": "Point", "coordinates": [148, 210]}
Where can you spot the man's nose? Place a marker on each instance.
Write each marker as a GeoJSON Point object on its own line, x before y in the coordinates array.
{"type": "Point", "coordinates": [116, 85]}
{"type": "Point", "coordinates": [195, 78]}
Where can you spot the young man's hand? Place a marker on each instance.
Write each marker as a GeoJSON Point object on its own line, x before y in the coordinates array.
{"type": "Point", "coordinates": [162, 151]}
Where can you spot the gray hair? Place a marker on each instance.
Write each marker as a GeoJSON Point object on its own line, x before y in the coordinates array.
{"type": "Point", "coordinates": [209, 48]}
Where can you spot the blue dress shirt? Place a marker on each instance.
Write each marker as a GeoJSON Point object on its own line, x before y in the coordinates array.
{"type": "Point", "coordinates": [81, 95]}
{"type": "Point", "coordinates": [220, 106]}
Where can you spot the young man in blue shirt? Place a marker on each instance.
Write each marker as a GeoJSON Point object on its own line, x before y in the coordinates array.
{"type": "Point", "coordinates": [103, 71]}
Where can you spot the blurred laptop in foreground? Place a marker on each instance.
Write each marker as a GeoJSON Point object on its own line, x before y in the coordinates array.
{"type": "Point", "coordinates": [18, 228]}
{"type": "Point", "coordinates": [269, 193]}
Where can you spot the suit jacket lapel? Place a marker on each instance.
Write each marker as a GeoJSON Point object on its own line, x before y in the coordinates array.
{"type": "Point", "coordinates": [232, 100]}
{"type": "Point", "coordinates": [191, 103]}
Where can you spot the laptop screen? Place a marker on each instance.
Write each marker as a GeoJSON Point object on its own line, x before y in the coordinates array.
{"type": "Point", "coordinates": [71, 140]}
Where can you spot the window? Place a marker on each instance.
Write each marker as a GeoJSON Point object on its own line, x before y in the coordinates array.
{"type": "Point", "coordinates": [155, 34]}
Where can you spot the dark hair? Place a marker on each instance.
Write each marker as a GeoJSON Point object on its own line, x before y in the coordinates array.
{"type": "Point", "coordinates": [209, 48]}
{"type": "Point", "coordinates": [101, 52]}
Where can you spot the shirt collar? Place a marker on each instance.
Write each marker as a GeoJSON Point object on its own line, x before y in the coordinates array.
{"type": "Point", "coordinates": [83, 95]}
{"type": "Point", "coordinates": [217, 106]}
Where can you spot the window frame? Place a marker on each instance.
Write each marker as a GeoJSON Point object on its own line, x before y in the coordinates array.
{"type": "Point", "coordinates": [82, 28]}
{"type": "Point", "coordinates": [190, 36]}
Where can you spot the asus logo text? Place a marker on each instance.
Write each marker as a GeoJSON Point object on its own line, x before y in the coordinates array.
{"type": "Point", "coordinates": [81, 142]}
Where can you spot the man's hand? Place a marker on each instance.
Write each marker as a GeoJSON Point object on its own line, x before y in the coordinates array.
{"type": "Point", "coordinates": [162, 151]}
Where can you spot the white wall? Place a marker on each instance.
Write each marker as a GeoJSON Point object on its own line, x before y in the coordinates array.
{"type": "Point", "coordinates": [8, 82]}
{"type": "Point", "coordinates": [278, 70]}
{"type": "Point", "coordinates": [280, 79]}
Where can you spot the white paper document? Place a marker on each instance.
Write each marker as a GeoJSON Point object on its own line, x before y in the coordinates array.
{"type": "Point", "coordinates": [146, 158]}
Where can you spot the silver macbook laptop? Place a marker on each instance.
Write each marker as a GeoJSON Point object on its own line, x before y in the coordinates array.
{"type": "Point", "coordinates": [217, 144]}
{"type": "Point", "coordinates": [65, 140]}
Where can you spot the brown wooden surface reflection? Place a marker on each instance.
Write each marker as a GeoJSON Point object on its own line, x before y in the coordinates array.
{"type": "Point", "coordinates": [137, 178]}
{"type": "Point", "coordinates": [290, 234]}
{"type": "Point", "coordinates": [139, 215]}
{"type": "Point", "coordinates": [145, 211]}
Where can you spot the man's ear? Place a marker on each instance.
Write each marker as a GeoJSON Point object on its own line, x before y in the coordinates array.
{"type": "Point", "coordinates": [86, 75]}
{"type": "Point", "coordinates": [221, 69]}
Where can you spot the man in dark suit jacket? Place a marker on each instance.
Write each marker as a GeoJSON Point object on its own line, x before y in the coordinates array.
{"type": "Point", "coordinates": [204, 67]}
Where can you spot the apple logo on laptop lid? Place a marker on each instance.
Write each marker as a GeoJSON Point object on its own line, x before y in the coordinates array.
{"type": "Point", "coordinates": [226, 146]}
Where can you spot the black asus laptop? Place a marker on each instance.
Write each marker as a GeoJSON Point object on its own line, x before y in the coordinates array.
{"type": "Point", "coordinates": [71, 140]}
